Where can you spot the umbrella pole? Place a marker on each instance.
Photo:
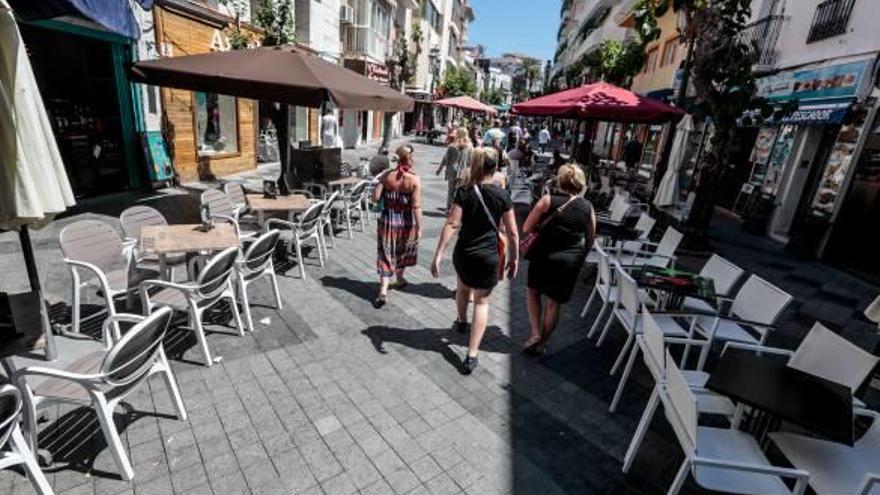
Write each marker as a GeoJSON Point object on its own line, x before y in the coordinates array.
{"type": "Point", "coordinates": [30, 264]}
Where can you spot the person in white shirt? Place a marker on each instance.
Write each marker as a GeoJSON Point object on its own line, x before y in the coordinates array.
{"type": "Point", "coordinates": [543, 138]}
{"type": "Point", "coordinates": [329, 129]}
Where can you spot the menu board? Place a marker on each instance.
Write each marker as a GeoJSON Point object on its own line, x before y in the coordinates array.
{"type": "Point", "coordinates": [838, 164]}
{"type": "Point", "coordinates": [761, 152]}
{"type": "Point", "coordinates": [778, 156]}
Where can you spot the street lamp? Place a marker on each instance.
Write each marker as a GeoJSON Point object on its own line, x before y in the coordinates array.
{"type": "Point", "coordinates": [434, 59]}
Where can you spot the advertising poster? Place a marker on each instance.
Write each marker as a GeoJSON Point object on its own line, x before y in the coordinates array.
{"type": "Point", "coordinates": [761, 153]}
{"type": "Point", "coordinates": [839, 162]}
{"type": "Point", "coordinates": [778, 156]}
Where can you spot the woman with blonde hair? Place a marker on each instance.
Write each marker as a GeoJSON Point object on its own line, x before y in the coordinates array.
{"type": "Point", "coordinates": [400, 223]}
{"type": "Point", "coordinates": [456, 161]}
{"type": "Point", "coordinates": [478, 209]}
{"type": "Point", "coordinates": [566, 225]}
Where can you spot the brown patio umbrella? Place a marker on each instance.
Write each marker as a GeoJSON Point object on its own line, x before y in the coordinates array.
{"type": "Point", "coordinates": [282, 74]}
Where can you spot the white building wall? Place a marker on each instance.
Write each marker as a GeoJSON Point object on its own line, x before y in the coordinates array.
{"type": "Point", "coordinates": [151, 100]}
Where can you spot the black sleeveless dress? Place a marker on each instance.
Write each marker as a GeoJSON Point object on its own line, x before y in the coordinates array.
{"type": "Point", "coordinates": [556, 259]}
{"type": "Point", "coordinates": [476, 252]}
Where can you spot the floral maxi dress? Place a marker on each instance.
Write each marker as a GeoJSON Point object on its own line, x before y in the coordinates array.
{"type": "Point", "coordinates": [398, 246]}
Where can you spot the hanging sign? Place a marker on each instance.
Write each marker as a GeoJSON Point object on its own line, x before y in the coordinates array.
{"type": "Point", "coordinates": [834, 81]}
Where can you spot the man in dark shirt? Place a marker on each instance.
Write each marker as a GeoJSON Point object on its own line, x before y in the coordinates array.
{"type": "Point", "coordinates": [632, 153]}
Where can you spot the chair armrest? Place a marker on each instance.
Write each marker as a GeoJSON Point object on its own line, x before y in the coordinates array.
{"type": "Point", "coordinates": [283, 223]}
{"type": "Point", "coordinates": [686, 341]}
{"type": "Point", "coordinates": [105, 285]}
{"type": "Point", "coordinates": [109, 326]}
{"type": "Point", "coordinates": [868, 483]}
{"type": "Point", "coordinates": [868, 413]}
{"type": "Point", "coordinates": [19, 375]}
{"type": "Point", "coordinates": [757, 348]}
{"type": "Point", "coordinates": [797, 474]}
{"type": "Point", "coordinates": [740, 321]}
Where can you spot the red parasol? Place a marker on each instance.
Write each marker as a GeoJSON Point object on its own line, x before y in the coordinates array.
{"type": "Point", "coordinates": [600, 101]}
{"type": "Point", "coordinates": [466, 103]}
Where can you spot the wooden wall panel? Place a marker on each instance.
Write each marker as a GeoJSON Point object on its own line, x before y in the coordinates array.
{"type": "Point", "coordinates": [187, 36]}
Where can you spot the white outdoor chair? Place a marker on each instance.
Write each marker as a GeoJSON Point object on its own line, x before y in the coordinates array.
{"type": "Point", "coordinates": [14, 449]}
{"type": "Point", "coordinates": [653, 344]}
{"type": "Point", "coordinates": [724, 274]}
{"type": "Point", "coordinates": [835, 468]}
{"type": "Point", "coordinates": [103, 378]}
{"type": "Point", "coordinates": [255, 264]}
{"type": "Point", "coordinates": [98, 258]}
{"type": "Point", "coordinates": [643, 226]}
{"type": "Point", "coordinates": [327, 230]}
{"type": "Point", "coordinates": [604, 288]}
{"type": "Point", "coordinates": [627, 311]}
{"type": "Point", "coordinates": [872, 312]}
{"type": "Point", "coordinates": [132, 219]}
{"type": "Point", "coordinates": [617, 210]}
{"type": "Point", "coordinates": [214, 283]}
{"type": "Point", "coordinates": [353, 202]}
{"type": "Point", "coordinates": [660, 254]}
{"type": "Point", "coordinates": [720, 459]}
{"type": "Point", "coordinates": [756, 306]}
{"type": "Point", "coordinates": [827, 355]}
{"type": "Point", "coordinates": [220, 208]}
{"type": "Point", "coordinates": [308, 227]}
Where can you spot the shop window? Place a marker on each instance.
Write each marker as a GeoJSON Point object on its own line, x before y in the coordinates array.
{"type": "Point", "coordinates": [670, 50]}
{"type": "Point", "coordinates": [216, 124]}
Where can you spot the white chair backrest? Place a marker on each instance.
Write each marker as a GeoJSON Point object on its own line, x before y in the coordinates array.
{"type": "Point", "coordinates": [311, 216]}
{"type": "Point", "coordinates": [214, 277]}
{"type": "Point", "coordinates": [357, 192]}
{"type": "Point", "coordinates": [629, 293]}
{"type": "Point", "coordinates": [682, 407]}
{"type": "Point", "coordinates": [618, 209]}
{"type": "Point", "coordinates": [10, 406]}
{"type": "Point", "coordinates": [825, 354]}
{"type": "Point", "coordinates": [235, 192]}
{"type": "Point", "coordinates": [604, 267]}
{"type": "Point", "coordinates": [133, 218]}
{"type": "Point", "coordinates": [132, 356]}
{"type": "Point", "coordinates": [218, 202]}
{"type": "Point", "coordinates": [328, 203]}
{"type": "Point", "coordinates": [669, 242]}
{"type": "Point", "coordinates": [259, 254]}
{"type": "Point", "coordinates": [760, 301]}
{"type": "Point", "coordinates": [606, 184]}
{"type": "Point", "coordinates": [723, 273]}
{"type": "Point", "coordinates": [655, 346]}
{"type": "Point", "coordinates": [872, 312]}
{"type": "Point", "coordinates": [92, 241]}
{"type": "Point", "coordinates": [644, 225]}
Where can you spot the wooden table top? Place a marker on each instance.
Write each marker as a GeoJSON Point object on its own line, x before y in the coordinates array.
{"type": "Point", "coordinates": [185, 238]}
{"type": "Point", "coordinates": [345, 181]}
{"type": "Point", "coordinates": [291, 202]}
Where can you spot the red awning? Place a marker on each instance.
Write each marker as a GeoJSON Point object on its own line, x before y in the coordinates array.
{"type": "Point", "coordinates": [600, 101]}
{"type": "Point", "coordinates": [466, 103]}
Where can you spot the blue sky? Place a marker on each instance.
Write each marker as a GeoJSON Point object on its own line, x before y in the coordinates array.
{"type": "Point", "coordinates": [522, 26]}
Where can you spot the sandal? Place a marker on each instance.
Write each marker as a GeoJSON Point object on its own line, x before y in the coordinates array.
{"type": "Point", "coordinates": [379, 302]}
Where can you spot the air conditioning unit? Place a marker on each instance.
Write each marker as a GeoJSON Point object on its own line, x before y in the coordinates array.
{"type": "Point", "coordinates": [346, 14]}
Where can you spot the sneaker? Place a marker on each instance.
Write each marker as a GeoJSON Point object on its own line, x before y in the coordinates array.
{"type": "Point", "coordinates": [461, 326]}
{"type": "Point", "coordinates": [470, 364]}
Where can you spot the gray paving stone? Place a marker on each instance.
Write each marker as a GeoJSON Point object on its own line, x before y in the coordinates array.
{"type": "Point", "coordinates": [426, 468]}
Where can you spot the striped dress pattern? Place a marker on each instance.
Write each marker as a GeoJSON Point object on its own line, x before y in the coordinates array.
{"type": "Point", "coordinates": [397, 247]}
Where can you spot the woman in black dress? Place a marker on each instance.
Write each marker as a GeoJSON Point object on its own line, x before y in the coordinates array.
{"type": "Point", "coordinates": [566, 225]}
{"type": "Point", "coordinates": [479, 209]}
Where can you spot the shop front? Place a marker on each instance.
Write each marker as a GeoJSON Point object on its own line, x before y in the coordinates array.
{"type": "Point", "coordinates": [208, 135]}
{"type": "Point", "coordinates": [802, 155]}
{"type": "Point", "coordinates": [357, 126]}
{"type": "Point", "coordinates": [80, 69]}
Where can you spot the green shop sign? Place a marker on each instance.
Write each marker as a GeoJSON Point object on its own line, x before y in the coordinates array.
{"type": "Point", "coordinates": [832, 82]}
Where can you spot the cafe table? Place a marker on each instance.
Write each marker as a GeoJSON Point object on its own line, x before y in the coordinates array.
{"type": "Point", "coordinates": [674, 286]}
{"type": "Point", "coordinates": [779, 393]}
{"type": "Point", "coordinates": [291, 203]}
{"type": "Point", "coordinates": [162, 240]}
{"type": "Point", "coordinates": [344, 182]}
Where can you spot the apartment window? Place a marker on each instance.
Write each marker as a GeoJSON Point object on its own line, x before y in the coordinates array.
{"type": "Point", "coordinates": [651, 60]}
{"type": "Point", "coordinates": [831, 19]}
{"type": "Point", "coordinates": [670, 51]}
{"type": "Point", "coordinates": [216, 124]}
{"type": "Point", "coordinates": [430, 14]}
{"type": "Point", "coordinates": [453, 45]}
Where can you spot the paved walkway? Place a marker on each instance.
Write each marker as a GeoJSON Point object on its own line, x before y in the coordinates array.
{"type": "Point", "coordinates": [331, 396]}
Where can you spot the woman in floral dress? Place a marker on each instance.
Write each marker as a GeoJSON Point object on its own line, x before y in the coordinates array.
{"type": "Point", "coordinates": [400, 224]}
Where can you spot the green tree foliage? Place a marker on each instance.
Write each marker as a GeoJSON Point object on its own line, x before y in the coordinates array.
{"type": "Point", "coordinates": [275, 17]}
{"type": "Point", "coordinates": [493, 96]}
{"type": "Point", "coordinates": [616, 61]}
{"type": "Point", "coordinates": [402, 63]}
{"type": "Point", "coordinates": [458, 82]}
{"type": "Point", "coordinates": [531, 71]}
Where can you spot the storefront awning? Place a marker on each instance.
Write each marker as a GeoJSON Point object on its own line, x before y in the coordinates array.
{"type": "Point", "coordinates": [113, 15]}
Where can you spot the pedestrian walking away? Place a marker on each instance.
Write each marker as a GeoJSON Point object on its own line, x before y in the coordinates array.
{"type": "Point", "coordinates": [330, 130]}
{"type": "Point", "coordinates": [565, 226]}
{"type": "Point", "coordinates": [455, 163]}
{"type": "Point", "coordinates": [400, 223]}
{"type": "Point", "coordinates": [479, 207]}
{"type": "Point", "coordinates": [543, 138]}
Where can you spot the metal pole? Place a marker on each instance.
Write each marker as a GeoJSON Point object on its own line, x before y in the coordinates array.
{"type": "Point", "coordinates": [30, 264]}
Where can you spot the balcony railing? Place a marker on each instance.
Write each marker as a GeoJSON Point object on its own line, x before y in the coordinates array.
{"type": "Point", "coordinates": [761, 37]}
{"type": "Point", "coordinates": [365, 40]}
{"type": "Point", "coordinates": [831, 19]}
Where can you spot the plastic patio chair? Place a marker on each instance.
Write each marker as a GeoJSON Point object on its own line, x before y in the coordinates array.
{"type": "Point", "coordinates": [327, 231]}
{"type": "Point", "coordinates": [725, 276]}
{"type": "Point", "coordinates": [213, 284]}
{"type": "Point", "coordinates": [98, 257]}
{"type": "Point", "coordinates": [103, 378]}
{"type": "Point", "coordinates": [257, 263]}
{"type": "Point", "coordinates": [661, 255]}
{"type": "Point", "coordinates": [308, 227]}
{"type": "Point", "coordinates": [719, 459]}
{"type": "Point", "coordinates": [220, 208]}
{"type": "Point", "coordinates": [132, 219]}
{"type": "Point", "coordinates": [14, 449]}
{"type": "Point", "coordinates": [353, 202]}
{"type": "Point", "coordinates": [604, 288]}
{"type": "Point", "coordinates": [653, 344]}
{"type": "Point", "coordinates": [835, 468]}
